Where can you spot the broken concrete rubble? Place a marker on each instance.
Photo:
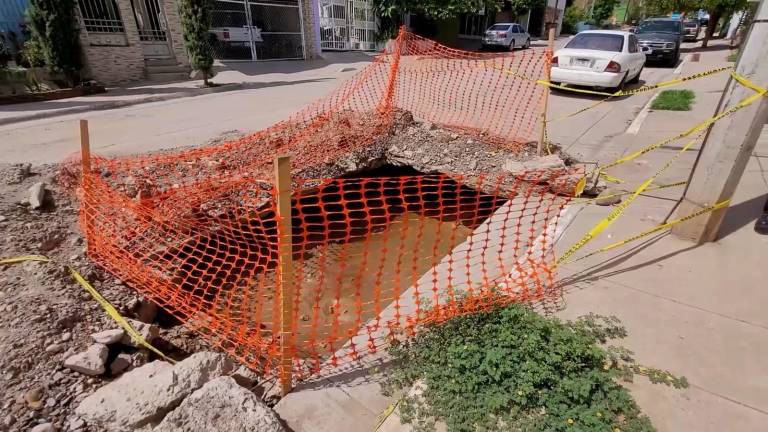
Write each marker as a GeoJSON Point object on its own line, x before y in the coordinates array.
{"type": "Point", "coordinates": [90, 361]}
{"type": "Point", "coordinates": [144, 395]}
{"type": "Point", "coordinates": [221, 405]}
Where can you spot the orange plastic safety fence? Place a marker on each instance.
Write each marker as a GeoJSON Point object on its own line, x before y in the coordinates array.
{"type": "Point", "coordinates": [375, 255]}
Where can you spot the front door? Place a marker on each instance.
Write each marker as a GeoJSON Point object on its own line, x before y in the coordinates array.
{"type": "Point", "coordinates": [153, 28]}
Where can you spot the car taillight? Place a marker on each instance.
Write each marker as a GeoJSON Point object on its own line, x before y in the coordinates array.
{"type": "Point", "coordinates": [613, 67]}
{"type": "Point", "coordinates": [226, 35]}
{"type": "Point", "coordinates": [554, 62]}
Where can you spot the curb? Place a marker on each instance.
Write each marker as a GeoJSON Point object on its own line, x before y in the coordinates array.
{"type": "Point", "coordinates": [122, 103]}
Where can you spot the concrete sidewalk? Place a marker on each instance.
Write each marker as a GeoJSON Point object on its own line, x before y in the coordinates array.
{"type": "Point", "coordinates": [230, 76]}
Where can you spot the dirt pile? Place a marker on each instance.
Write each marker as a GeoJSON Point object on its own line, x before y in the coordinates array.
{"type": "Point", "coordinates": [46, 318]}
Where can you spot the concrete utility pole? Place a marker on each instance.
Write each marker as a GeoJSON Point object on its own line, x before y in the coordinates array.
{"type": "Point", "coordinates": [730, 142]}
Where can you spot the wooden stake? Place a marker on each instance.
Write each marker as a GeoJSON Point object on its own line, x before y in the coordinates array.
{"type": "Point", "coordinates": [85, 146]}
{"type": "Point", "coordinates": [285, 275]}
{"type": "Point", "coordinates": [550, 51]}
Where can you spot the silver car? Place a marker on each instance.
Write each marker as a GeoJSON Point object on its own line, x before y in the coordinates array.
{"type": "Point", "coordinates": [506, 35]}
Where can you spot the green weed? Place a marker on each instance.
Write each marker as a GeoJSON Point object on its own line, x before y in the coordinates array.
{"type": "Point", "coordinates": [674, 100]}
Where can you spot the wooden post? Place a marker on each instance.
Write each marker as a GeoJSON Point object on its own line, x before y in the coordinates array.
{"type": "Point", "coordinates": [285, 275]}
{"type": "Point", "coordinates": [85, 146]}
{"type": "Point", "coordinates": [729, 144]}
{"type": "Point", "coordinates": [386, 103]}
{"type": "Point", "coordinates": [550, 51]}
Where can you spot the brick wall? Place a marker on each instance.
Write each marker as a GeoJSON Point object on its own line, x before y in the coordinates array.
{"type": "Point", "coordinates": [175, 31]}
{"type": "Point", "coordinates": [113, 58]}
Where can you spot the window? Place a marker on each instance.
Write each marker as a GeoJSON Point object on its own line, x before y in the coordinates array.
{"type": "Point", "coordinates": [632, 44]}
{"type": "Point", "coordinates": [597, 42]}
{"type": "Point", "coordinates": [101, 16]}
{"type": "Point", "coordinates": [472, 24]}
{"type": "Point", "coordinates": [499, 27]}
{"type": "Point", "coordinates": [659, 26]}
{"type": "Point", "coordinates": [516, 29]}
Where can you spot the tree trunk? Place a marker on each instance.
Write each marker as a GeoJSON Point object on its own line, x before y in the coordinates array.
{"type": "Point", "coordinates": [714, 17]}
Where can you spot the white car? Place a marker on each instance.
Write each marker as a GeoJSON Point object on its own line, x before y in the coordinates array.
{"type": "Point", "coordinates": [506, 35]}
{"type": "Point", "coordinates": [599, 58]}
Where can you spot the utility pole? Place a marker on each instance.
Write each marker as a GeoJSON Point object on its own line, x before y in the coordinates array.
{"type": "Point", "coordinates": [730, 142]}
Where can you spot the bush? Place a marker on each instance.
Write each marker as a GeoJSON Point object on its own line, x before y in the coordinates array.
{"type": "Point", "coordinates": [573, 14]}
{"type": "Point", "coordinates": [52, 28]}
{"type": "Point", "coordinates": [196, 20]}
{"type": "Point", "coordinates": [514, 370]}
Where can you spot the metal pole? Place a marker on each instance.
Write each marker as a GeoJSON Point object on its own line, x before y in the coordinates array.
{"type": "Point", "coordinates": [550, 50]}
{"type": "Point", "coordinates": [386, 103]}
{"type": "Point", "coordinates": [729, 144]}
{"type": "Point", "coordinates": [285, 270]}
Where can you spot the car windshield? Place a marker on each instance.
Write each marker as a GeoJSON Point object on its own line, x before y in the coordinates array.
{"type": "Point", "coordinates": [597, 41]}
{"type": "Point", "coordinates": [659, 27]}
{"type": "Point", "coordinates": [499, 27]}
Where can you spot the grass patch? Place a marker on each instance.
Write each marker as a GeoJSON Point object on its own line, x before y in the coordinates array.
{"type": "Point", "coordinates": [512, 369]}
{"type": "Point", "coordinates": [733, 56]}
{"type": "Point", "coordinates": [674, 100]}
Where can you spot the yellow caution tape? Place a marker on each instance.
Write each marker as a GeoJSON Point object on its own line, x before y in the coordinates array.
{"type": "Point", "coordinates": [653, 230]}
{"type": "Point", "coordinates": [115, 315]}
{"type": "Point", "coordinates": [619, 210]}
{"type": "Point", "coordinates": [741, 79]}
{"type": "Point", "coordinates": [111, 311]}
{"type": "Point", "coordinates": [701, 127]}
{"type": "Point", "coordinates": [650, 189]}
{"type": "Point", "coordinates": [610, 179]}
{"type": "Point", "coordinates": [17, 260]}
{"type": "Point", "coordinates": [644, 88]}
{"type": "Point", "coordinates": [386, 413]}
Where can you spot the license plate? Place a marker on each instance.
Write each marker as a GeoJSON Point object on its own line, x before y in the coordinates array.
{"type": "Point", "coordinates": [581, 62]}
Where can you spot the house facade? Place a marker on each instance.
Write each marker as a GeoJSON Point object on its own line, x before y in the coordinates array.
{"type": "Point", "coordinates": [131, 40]}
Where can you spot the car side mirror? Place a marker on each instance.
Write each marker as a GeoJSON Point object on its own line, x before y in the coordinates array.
{"type": "Point", "coordinates": [645, 49]}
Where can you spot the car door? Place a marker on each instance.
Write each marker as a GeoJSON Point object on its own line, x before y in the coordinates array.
{"type": "Point", "coordinates": [639, 54]}
{"type": "Point", "coordinates": [516, 35]}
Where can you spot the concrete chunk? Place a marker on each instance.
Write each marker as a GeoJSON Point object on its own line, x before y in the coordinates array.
{"type": "Point", "coordinates": [221, 405]}
{"type": "Point", "coordinates": [144, 395]}
{"type": "Point", "coordinates": [90, 361]}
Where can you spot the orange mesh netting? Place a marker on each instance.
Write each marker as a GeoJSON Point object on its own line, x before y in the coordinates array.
{"type": "Point", "coordinates": [394, 222]}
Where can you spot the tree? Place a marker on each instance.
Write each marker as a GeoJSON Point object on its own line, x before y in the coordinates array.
{"type": "Point", "coordinates": [602, 10]}
{"type": "Point", "coordinates": [196, 20]}
{"type": "Point", "coordinates": [716, 10]}
{"type": "Point", "coordinates": [53, 28]}
{"type": "Point", "coordinates": [390, 11]}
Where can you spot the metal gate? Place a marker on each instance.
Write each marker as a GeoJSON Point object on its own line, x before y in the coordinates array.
{"type": "Point", "coordinates": [257, 30]}
{"type": "Point", "coordinates": [347, 25]}
{"type": "Point", "coordinates": [150, 20]}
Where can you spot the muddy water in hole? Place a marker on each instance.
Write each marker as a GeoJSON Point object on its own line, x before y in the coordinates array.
{"type": "Point", "coordinates": [341, 286]}
{"type": "Point", "coordinates": [366, 275]}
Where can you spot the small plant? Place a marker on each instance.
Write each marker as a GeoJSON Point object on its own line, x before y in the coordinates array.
{"type": "Point", "coordinates": [674, 100]}
{"type": "Point", "coordinates": [196, 20]}
{"type": "Point", "coordinates": [733, 56]}
{"type": "Point", "coordinates": [513, 370]}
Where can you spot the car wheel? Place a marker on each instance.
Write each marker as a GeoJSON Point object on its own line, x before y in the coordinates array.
{"type": "Point", "coordinates": [619, 87]}
{"type": "Point", "coordinates": [675, 58]}
{"type": "Point", "coordinates": [636, 79]}
{"type": "Point", "coordinates": [527, 44]}
{"type": "Point", "coordinates": [512, 45]}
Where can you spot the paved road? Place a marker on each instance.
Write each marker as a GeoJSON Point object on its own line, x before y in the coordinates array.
{"type": "Point", "coordinates": [196, 120]}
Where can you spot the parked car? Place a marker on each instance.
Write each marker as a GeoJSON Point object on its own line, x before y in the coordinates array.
{"type": "Point", "coordinates": [506, 35]}
{"type": "Point", "coordinates": [691, 30]}
{"type": "Point", "coordinates": [663, 36]}
{"type": "Point", "coordinates": [599, 58]}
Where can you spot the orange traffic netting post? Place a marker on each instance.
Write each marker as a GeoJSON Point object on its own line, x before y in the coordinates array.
{"type": "Point", "coordinates": [297, 271]}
